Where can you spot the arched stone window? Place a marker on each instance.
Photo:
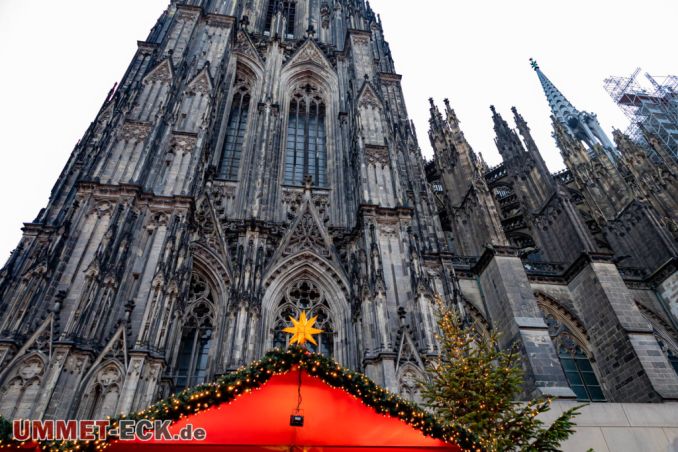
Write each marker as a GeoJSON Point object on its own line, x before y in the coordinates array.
{"type": "Point", "coordinates": [570, 340]}
{"type": "Point", "coordinates": [235, 131]}
{"type": "Point", "coordinates": [289, 12]}
{"type": "Point", "coordinates": [578, 370]}
{"type": "Point", "coordinates": [196, 336]}
{"type": "Point", "coordinates": [304, 295]}
{"type": "Point", "coordinates": [20, 393]}
{"type": "Point", "coordinates": [102, 395]}
{"type": "Point", "coordinates": [306, 148]}
{"type": "Point", "coordinates": [409, 383]}
{"type": "Point", "coordinates": [575, 361]}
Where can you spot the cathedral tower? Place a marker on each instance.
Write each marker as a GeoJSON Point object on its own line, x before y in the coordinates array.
{"type": "Point", "coordinates": [255, 160]}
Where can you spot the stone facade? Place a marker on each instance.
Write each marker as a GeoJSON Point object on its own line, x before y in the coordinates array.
{"type": "Point", "coordinates": [257, 160]}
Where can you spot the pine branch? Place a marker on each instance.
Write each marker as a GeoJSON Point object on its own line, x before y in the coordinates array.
{"type": "Point", "coordinates": [549, 439]}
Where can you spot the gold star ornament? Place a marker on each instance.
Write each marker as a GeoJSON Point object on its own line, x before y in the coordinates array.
{"type": "Point", "coordinates": [302, 330]}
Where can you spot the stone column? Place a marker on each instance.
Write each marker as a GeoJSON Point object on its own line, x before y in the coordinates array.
{"type": "Point", "coordinates": [631, 363]}
{"type": "Point", "coordinates": [513, 312]}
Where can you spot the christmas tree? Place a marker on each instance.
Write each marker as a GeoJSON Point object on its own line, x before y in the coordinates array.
{"type": "Point", "coordinates": [475, 384]}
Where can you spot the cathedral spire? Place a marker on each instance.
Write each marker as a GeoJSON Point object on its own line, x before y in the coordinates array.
{"type": "Point", "coordinates": [583, 125]}
{"type": "Point", "coordinates": [561, 108]}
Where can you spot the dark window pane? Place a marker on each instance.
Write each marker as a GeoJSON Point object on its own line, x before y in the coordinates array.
{"type": "Point", "coordinates": [235, 136]}
{"type": "Point", "coordinates": [574, 378]}
{"type": "Point", "coordinates": [289, 11]}
{"type": "Point", "coordinates": [674, 361]}
{"type": "Point", "coordinates": [184, 359]}
{"type": "Point", "coordinates": [269, 14]}
{"type": "Point", "coordinates": [589, 378]}
{"type": "Point", "coordinates": [579, 374]}
{"type": "Point", "coordinates": [584, 364]}
{"type": "Point", "coordinates": [580, 392]}
{"type": "Point", "coordinates": [305, 151]}
{"type": "Point", "coordinates": [568, 363]}
{"type": "Point", "coordinates": [596, 394]}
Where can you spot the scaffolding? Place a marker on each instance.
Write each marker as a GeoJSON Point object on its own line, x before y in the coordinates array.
{"type": "Point", "coordinates": [652, 110]}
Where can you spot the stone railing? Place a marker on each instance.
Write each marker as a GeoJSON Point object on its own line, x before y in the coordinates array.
{"type": "Point", "coordinates": [495, 173]}
{"type": "Point", "coordinates": [563, 176]}
{"type": "Point", "coordinates": [544, 268]}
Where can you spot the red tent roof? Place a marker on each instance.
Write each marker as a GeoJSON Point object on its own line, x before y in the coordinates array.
{"type": "Point", "coordinates": [250, 410]}
{"type": "Point", "coordinates": [260, 420]}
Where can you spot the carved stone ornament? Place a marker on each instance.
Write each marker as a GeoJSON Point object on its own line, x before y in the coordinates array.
{"type": "Point", "coordinates": [109, 375]}
{"type": "Point", "coordinates": [244, 46]}
{"type": "Point", "coordinates": [182, 144]}
{"type": "Point", "coordinates": [369, 99]}
{"type": "Point", "coordinates": [134, 131]}
{"type": "Point", "coordinates": [31, 368]}
{"type": "Point", "coordinates": [306, 235]}
{"type": "Point", "coordinates": [201, 83]}
{"type": "Point", "coordinates": [161, 73]}
{"type": "Point", "coordinates": [376, 155]}
{"type": "Point", "coordinates": [361, 40]}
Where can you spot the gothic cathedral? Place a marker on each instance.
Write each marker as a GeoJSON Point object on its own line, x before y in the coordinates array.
{"type": "Point", "coordinates": [257, 161]}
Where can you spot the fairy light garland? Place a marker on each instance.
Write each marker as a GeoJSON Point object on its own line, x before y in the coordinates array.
{"type": "Point", "coordinates": [231, 386]}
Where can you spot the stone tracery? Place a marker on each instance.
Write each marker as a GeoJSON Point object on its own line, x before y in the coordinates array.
{"type": "Point", "coordinates": [305, 296]}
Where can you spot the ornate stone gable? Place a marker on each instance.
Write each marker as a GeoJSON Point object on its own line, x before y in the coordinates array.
{"type": "Point", "coordinates": [201, 83]}
{"type": "Point", "coordinates": [310, 53]}
{"type": "Point", "coordinates": [163, 72]}
{"type": "Point", "coordinates": [210, 231]}
{"type": "Point", "coordinates": [407, 351]}
{"type": "Point", "coordinates": [39, 342]}
{"type": "Point", "coordinates": [306, 233]}
{"type": "Point", "coordinates": [293, 201]}
{"type": "Point", "coordinates": [368, 97]}
{"type": "Point", "coordinates": [306, 236]}
{"type": "Point", "coordinates": [245, 47]}
{"type": "Point", "coordinates": [116, 349]}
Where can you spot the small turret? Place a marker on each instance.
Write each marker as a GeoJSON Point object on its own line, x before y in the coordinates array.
{"type": "Point", "coordinates": [507, 140]}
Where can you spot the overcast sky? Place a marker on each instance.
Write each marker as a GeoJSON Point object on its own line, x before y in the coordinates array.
{"type": "Point", "coordinates": [59, 59]}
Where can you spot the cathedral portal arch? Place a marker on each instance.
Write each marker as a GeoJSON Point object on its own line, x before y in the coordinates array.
{"type": "Point", "coordinates": [306, 281]}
